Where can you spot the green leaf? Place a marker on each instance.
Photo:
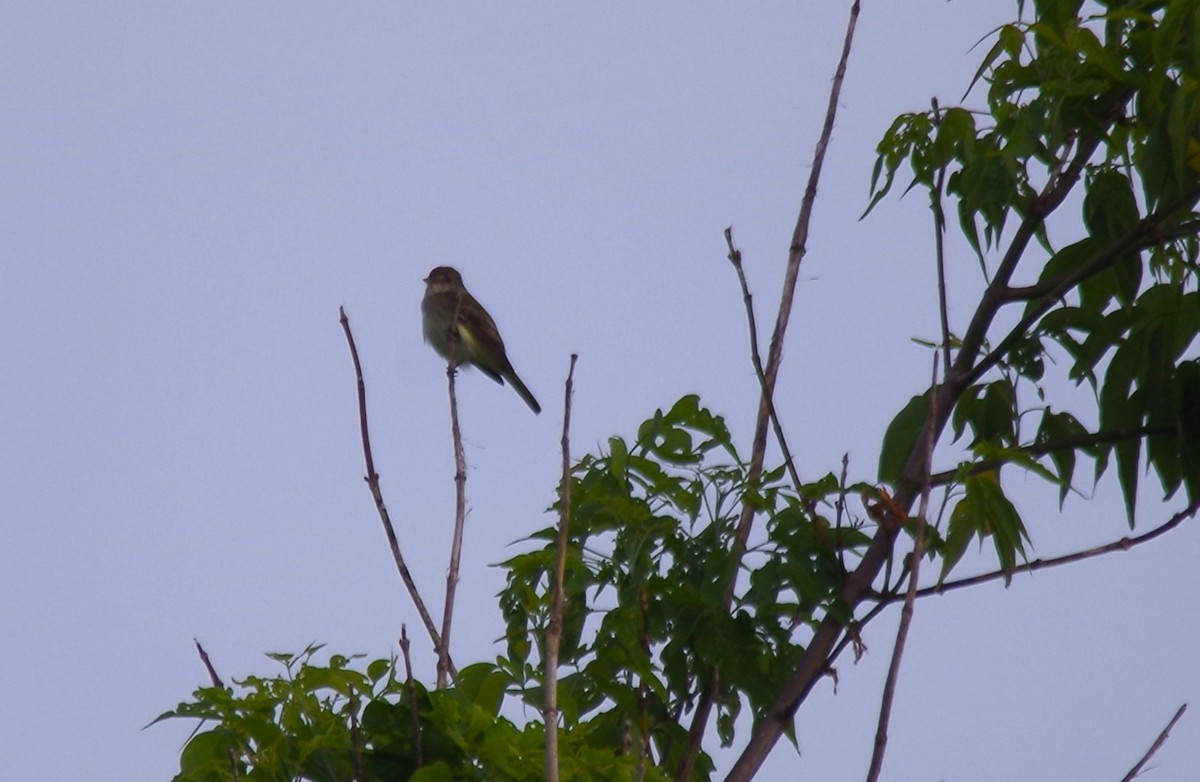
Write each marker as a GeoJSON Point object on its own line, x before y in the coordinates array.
{"type": "Point", "coordinates": [208, 752]}
{"type": "Point", "coordinates": [441, 771]}
{"type": "Point", "coordinates": [901, 438]}
{"type": "Point", "coordinates": [1188, 401]}
{"type": "Point", "coordinates": [1110, 208]}
{"type": "Point", "coordinates": [1063, 263]}
{"type": "Point", "coordinates": [959, 534]}
{"type": "Point", "coordinates": [483, 685]}
{"type": "Point", "coordinates": [1060, 428]}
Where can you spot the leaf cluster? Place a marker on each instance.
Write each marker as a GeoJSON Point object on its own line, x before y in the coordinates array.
{"type": "Point", "coordinates": [330, 723]}
{"type": "Point", "coordinates": [652, 536]}
{"type": "Point", "coordinates": [1107, 102]}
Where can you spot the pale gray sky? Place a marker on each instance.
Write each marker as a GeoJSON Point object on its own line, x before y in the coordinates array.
{"type": "Point", "coordinates": [190, 191]}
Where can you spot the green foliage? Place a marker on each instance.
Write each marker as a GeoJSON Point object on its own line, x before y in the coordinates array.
{"type": "Point", "coordinates": [653, 536]}
{"type": "Point", "coordinates": [332, 724]}
{"type": "Point", "coordinates": [653, 547]}
{"type": "Point", "coordinates": [1108, 102]}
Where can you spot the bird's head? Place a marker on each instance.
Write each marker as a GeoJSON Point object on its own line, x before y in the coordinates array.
{"type": "Point", "coordinates": [444, 275]}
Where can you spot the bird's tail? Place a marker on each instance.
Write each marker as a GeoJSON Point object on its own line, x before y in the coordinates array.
{"type": "Point", "coordinates": [520, 388]}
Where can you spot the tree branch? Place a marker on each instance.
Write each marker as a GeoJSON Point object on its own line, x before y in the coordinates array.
{"type": "Point", "coordinates": [460, 502]}
{"type": "Point", "coordinates": [1039, 208]}
{"type": "Point", "coordinates": [372, 479]}
{"type": "Point", "coordinates": [1147, 233]}
{"type": "Point", "coordinates": [813, 661]}
{"type": "Point", "coordinates": [735, 257]}
{"type": "Point", "coordinates": [554, 629]}
{"type": "Point", "coordinates": [914, 559]}
{"type": "Point", "coordinates": [796, 254]}
{"type": "Point", "coordinates": [414, 711]}
{"type": "Point", "coordinates": [1123, 544]}
{"type": "Point", "coordinates": [1162, 738]}
{"type": "Point", "coordinates": [939, 237]}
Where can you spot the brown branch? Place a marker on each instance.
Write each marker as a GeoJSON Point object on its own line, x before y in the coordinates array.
{"type": "Point", "coordinates": [735, 258]}
{"type": "Point", "coordinates": [1039, 208]}
{"type": "Point", "coordinates": [814, 661]}
{"type": "Point", "coordinates": [208, 666]}
{"type": "Point", "coordinates": [555, 626]}
{"type": "Point", "coordinates": [796, 252]}
{"type": "Point", "coordinates": [372, 479]}
{"type": "Point", "coordinates": [1158, 742]}
{"type": "Point", "coordinates": [216, 680]}
{"type": "Point", "coordinates": [356, 739]}
{"type": "Point", "coordinates": [1145, 234]}
{"type": "Point", "coordinates": [914, 559]}
{"type": "Point", "coordinates": [643, 702]}
{"type": "Point", "coordinates": [840, 509]}
{"type": "Point", "coordinates": [939, 243]}
{"type": "Point", "coordinates": [411, 688]}
{"type": "Point", "coordinates": [1052, 287]}
{"type": "Point", "coordinates": [460, 503]}
{"type": "Point", "coordinates": [1123, 544]}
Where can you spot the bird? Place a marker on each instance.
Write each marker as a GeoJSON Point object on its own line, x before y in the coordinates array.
{"type": "Point", "coordinates": [448, 308]}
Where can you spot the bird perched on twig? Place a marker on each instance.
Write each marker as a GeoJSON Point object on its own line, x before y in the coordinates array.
{"type": "Point", "coordinates": [448, 310]}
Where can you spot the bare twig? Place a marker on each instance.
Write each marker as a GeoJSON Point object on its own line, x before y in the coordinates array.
{"type": "Point", "coordinates": [411, 688]}
{"type": "Point", "coordinates": [208, 666]}
{"type": "Point", "coordinates": [460, 503]}
{"type": "Point", "coordinates": [796, 252]}
{"type": "Point", "coordinates": [840, 509]}
{"type": "Point", "coordinates": [216, 680]}
{"type": "Point", "coordinates": [735, 257]}
{"type": "Point", "coordinates": [1158, 742]}
{"type": "Point", "coordinates": [893, 674]}
{"type": "Point", "coordinates": [939, 237]}
{"type": "Point", "coordinates": [555, 626]}
{"type": "Point", "coordinates": [356, 739]}
{"type": "Point", "coordinates": [372, 479]}
{"type": "Point", "coordinates": [642, 699]}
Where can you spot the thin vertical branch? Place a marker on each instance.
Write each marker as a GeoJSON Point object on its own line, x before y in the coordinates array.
{"type": "Point", "coordinates": [372, 479]}
{"type": "Point", "coordinates": [735, 258]}
{"type": "Point", "coordinates": [411, 688]}
{"type": "Point", "coordinates": [939, 238]}
{"type": "Point", "coordinates": [642, 700]}
{"type": "Point", "coordinates": [914, 568]}
{"type": "Point", "coordinates": [555, 627]}
{"type": "Point", "coordinates": [840, 508]}
{"type": "Point", "coordinates": [1162, 738]}
{"type": "Point", "coordinates": [460, 503]}
{"type": "Point", "coordinates": [356, 739]}
{"type": "Point", "coordinates": [796, 252]}
{"type": "Point", "coordinates": [208, 666]}
{"type": "Point", "coordinates": [216, 680]}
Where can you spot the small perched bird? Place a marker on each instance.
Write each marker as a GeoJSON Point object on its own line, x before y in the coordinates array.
{"type": "Point", "coordinates": [447, 305]}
